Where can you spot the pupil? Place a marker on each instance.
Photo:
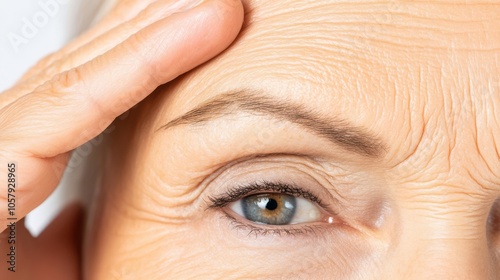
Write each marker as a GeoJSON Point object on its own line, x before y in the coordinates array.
{"type": "Point", "coordinates": [272, 204]}
{"type": "Point", "coordinates": [269, 208]}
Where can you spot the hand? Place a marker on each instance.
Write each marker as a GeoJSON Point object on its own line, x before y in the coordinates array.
{"type": "Point", "coordinates": [73, 95]}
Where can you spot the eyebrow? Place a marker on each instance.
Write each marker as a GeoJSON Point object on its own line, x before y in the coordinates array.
{"type": "Point", "coordinates": [337, 131]}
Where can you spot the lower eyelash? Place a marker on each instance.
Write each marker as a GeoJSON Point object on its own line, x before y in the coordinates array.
{"type": "Point", "coordinates": [257, 231]}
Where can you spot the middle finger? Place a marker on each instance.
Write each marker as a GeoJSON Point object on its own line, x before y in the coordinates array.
{"type": "Point", "coordinates": [103, 43]}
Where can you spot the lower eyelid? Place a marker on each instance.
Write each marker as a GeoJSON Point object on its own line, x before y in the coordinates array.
{"type": "Point", "coordinates": [257, 230]}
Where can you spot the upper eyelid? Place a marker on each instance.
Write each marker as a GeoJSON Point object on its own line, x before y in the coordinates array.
{"type": "Point", "coordinates": [223, 200]}
{"type": "Point", "coordinates": [332, 184]}
{"type": "Point", "coordinates": [264, 187]}
{"type": "Point", "coordinates": [278, 158]}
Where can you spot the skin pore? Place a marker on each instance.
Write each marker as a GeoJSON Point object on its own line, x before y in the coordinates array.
{"type": "Point", "coordinates": [387, 113]}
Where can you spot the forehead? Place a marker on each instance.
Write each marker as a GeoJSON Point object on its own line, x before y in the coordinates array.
{"type": "Point", "coordinates": [421, 76]}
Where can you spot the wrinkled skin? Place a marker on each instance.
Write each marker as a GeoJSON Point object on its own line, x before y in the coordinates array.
{"type": "Point", "coordinates": [421, 78]}
{"type": "Point", "coordinates": [72, 96]}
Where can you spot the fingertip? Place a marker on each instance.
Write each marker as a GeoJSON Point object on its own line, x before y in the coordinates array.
{"type": "Point", "coordinates": [231, 13]}
{"type": "Point", "coordinates": [213, 26]}
{"type": "Point", "coordinates": [232, 8]}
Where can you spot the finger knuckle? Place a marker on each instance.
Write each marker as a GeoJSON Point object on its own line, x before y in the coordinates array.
{"type": "Point", "coordinates": [141, 50]}
{"type": "Point", "coordinates": [67, 81]}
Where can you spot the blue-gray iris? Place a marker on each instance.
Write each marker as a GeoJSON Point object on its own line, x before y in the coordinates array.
{"type": "Point", "coordinates": [271, 208]}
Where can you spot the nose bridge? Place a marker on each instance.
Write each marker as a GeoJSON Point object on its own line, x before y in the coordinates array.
{"type": "Point", "coordinates": [445, 240]}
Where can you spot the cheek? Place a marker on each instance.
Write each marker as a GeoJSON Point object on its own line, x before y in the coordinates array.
{"type": "Point", "coordinates": [131, 237]}
{"type": "Point", "coordinates": [339, 253]}
{"type": "Point", "coordinates": [210, 246]}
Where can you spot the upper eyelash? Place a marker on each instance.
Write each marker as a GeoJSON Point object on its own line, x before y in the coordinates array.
{"type": "Point", "coordinates": [239, 192]}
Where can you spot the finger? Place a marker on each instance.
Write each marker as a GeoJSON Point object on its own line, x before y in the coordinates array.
{"type": "Point", "coordinates": [89, 97]}
{"type": "Point", "coordinates": [153, 13]}
{"type": "Point", "coordinates": [120, 11]}
{"type": "Point", "coordinates": [124, 12]}
{"type": "Point", "coordinates": [65, 59]}
{"type": "Point", "coordinates": [77, 105]}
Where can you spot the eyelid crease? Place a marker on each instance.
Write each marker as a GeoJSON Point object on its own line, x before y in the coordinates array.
{"type": "Point", "coordinates": [261, 230]}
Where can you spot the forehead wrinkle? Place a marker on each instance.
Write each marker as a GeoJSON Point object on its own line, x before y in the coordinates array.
{"type": "Point", "coordinates": [336, 130]}
{"type": "Point", "coordinates": [408, 25]}
{"type": "Point", "coordinates": [274, 47]}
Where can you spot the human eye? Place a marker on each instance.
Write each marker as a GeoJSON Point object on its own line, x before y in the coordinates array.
{"type": "Point", "coordinates": [273, 207]}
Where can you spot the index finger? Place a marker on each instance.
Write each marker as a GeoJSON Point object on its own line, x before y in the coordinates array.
{"type": "Point", "coordinates": [97, 92]}
{"type": "Point", "coordinates": [75, 106]}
